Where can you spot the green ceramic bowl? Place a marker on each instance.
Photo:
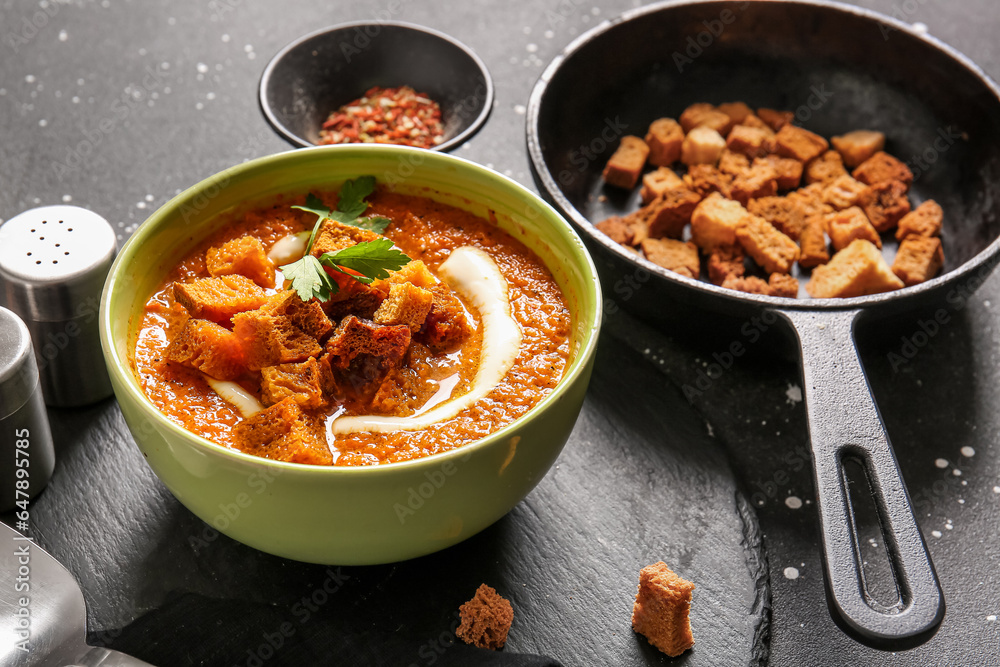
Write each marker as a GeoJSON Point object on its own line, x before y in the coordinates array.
{"type": "Point", "coordinates": [350, 516]}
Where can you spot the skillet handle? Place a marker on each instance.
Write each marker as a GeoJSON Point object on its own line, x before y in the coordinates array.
{"type": "Point", "coordinates": [844, 422]}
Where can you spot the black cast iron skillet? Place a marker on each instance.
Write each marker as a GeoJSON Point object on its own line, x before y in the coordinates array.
{"type": "Point", "coordinates": [841, 68]}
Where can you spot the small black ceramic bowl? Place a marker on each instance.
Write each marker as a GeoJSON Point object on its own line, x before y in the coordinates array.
{"type": "Point", "coordinates": [318, 73]}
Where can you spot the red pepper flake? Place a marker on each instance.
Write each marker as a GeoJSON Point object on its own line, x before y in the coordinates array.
{"type": "Point", "coordinates": [386, 116]}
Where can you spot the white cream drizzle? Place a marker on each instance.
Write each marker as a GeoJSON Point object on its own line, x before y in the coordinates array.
{"type": "Point", "coordinates": [476, 276]}
{"type": "Point", "coordinates": [235, 395]}
{"type": "Point", "coordinates": [288, 249]}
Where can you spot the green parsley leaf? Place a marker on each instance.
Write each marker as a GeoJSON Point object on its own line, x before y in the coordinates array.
{"type": "Point", "coordinates": [375, 223]}
{"type": "Point", "coordinates": [309, 279]}
{"type": "Point", "coordinates": [372, 259]}
{"type": "Point", "coordinates": [351, 201]}
{"type": "Point", "coordinates": [315, 206]}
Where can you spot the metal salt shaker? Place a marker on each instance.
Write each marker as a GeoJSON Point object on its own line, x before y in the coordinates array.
{"type": "Point", "coordinates": [53, 264]}
{"type": "Point", "coordinates": [26, 453]}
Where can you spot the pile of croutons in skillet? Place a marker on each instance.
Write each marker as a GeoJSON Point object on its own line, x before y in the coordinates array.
{"type": "Point", "coordinates": [757, 187]}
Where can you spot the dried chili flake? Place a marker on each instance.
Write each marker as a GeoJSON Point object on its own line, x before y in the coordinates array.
{"type": "Point", "coordinates": [386, 116]}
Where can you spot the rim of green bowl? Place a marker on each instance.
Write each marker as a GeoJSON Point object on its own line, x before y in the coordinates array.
{"type": "Point", "coordinates": [592, 310]}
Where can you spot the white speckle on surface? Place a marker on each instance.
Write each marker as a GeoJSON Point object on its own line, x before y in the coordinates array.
{"type": "Point", "coordinates": [166, 90]}
{"type": "Point", "coordinates": [63, 35]}
{"type": "Point", "coordinates": [821, 326]}
{"type": "Point", "coordinates": [531, 48]}
{"type": "Point", "coordinates": [202, 67]}
{"type": "Point", "coordinates": [961, 501]}
{"type": "Point", "coordinates": [991, 618]}
{"type": "Point", "coordinates": [595, 10]}
{"type": "Point", "coordinates": [248, 48]}
{"type": "Point", "coordinates": [920, 27]}
{"type": "Point", "coordinates": [143, 52]}
{"type": "Point", "coordinates": [36, 200]}
{"type": "Point", "coordinates": [80, 82]}
{"type": "Point", "coordinates": [956, 472]}
{"type": "Point", "coordinates": [171, 21]}
{"type": "Point", "coordinates": [941, 463]}
{"type": "Point", "coordinates": [67, 198]}
{"type": "Point", "coordinates": [164, 65]}
{"type": "Point", "coordinates": [30, 78]}
{"type": "Point", "coordinates": [936, 533]}
{"type": "Point", "coordinates": [513, 60]}
{"type": "Point", "coordinates": [793, 502]}
{"type": "Point", "coordinates": [519, 109]}
{"type": "Point", "coordinates": [105, 3]}
{"type": "Point", "coordinates": [949, 526]}
{"type": "Point", "coordinates": [996, 489]}
{"type": "Point", "coordinates": [199, 106]}
{"type": "Point", "coordinates": [140, 204]}
{"type": "Point", "coordinates": [791, 572]}
{"type": "Point", "coordinates": [149, 197]}
{"type": "Point", "coordinates": [986, 303]}
{"type": "Point", "coordinates": [526, 30]}
{"type": "Point", "coordinates": [43, 123]}
{"type": "Point", "coordinates": [549, 34]}
{"type": "Point", "coordinates": [793, 394]}
{"type": "Point", "coordinates": [968, 451]}
{"type": "Point", "coordinates": [225, 38]}
{"type": "Point", "coordinates": [251, 55]}
{"type": "Point", "coordinates": [210, 96]}
{"type": "Point", "coordinates": [75, 100]}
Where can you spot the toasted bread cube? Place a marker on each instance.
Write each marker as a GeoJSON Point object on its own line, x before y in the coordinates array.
{"type": "Point", "coordinates": [827, 168]}
{"type": "Point", "coordinates": [618, 229]}
{"type": "Point", "coordinates": [789, 171]}
{"type": "Point", "coordinates": [655, 183]}
{"type": "Point", "coordinates": [783, 285]}
{"type": "Point", "coordinates": [269, 340]}
{"type": "Point", "coordinates": [362, 353]}
{"type": "Point", "coordinates": [406, 304]}
{"type": "Point", "coordinates": [660, 612]}
{"type": "Point", "coordinates": [209, 348]}
{"type": "Point", "coordinates": [244, 255]}
{"type": "Point", "coordinates": [775, 119]}
{"type": "Point", "coordinates": [774, 251]}
{"type": "Point", "coordinates": [306, 315]}
{"type": "Point", "coordinates": [732, 163]}
{"type": "Point", "coordinates": [857, 146]}
{"type": "Point", "coordinates": [811, 198]}
{"type": "Point", "coordinates": [918, 259]}
{"type": "Point", "coordinates": [626, 163]}
{"type": "Point", "coordinates": [357, 299]}
{"type": "Point", "coordinates": [788, 215]}
{"type": "Point", "coordinates": [843, 192]}
{"type": "Point", "coordinates": [301, 382]}
{"type": "Point", "coordinates": [799, 144]}
{"type": "Point", "coordinates": [748, 284]}
{"type": "Point", "coordinates": [857, 270]}
{"type": "Point", "coordinates": [671, 213]}
{"type": "Point", "coordinates": [705, 179]}
{"type": "Point", "coordinates": [283, 432]}
{"type": "Point", "coordinates": [726, 261]}
{"type": "Point", "coordinates": [753, 120]}
{"type": "Point", "coordinates": [750, 141]}
{"type": "Point", "coordinates": [714, 222]}
{"type": "Point", "coordinates": [485, 620]}
{"type": "Point", "coordinates": [677, 256]}
{"type": "Point", "coordinates": [760, 181]}
{"type": "Point", "coordinates": [218, 299]}
{"type": "Point", "coordinates": [925, 220]}
{"type": "Point", "coordinates": [334, 236]}
{"type": "Point", "coordinates": [664, 139]}
{"type": "Point", "coordinates": [812, 243]}
{"type": "Point", "coordinates": [737, 111]}
{"type": "Point", "coordinates": [446, 325]}
{"type": "Point", "coordinates": [415, 272]}
{"type": "Point", "coordinates": [881, 168]}
{"type": "Point", "coordinates": [702, 145]}
{"type": "Point", "coordinates": [705, 115]}
{"type": "Point", "coordinates": [885, 204]}
{"type": "Point", "coordinates": [849, 224]}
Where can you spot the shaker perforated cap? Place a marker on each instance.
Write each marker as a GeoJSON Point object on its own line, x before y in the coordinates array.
{"type": "Point", "coordinates": [18, 371]}
{"type": "Point", "coordinates": [53, 258]}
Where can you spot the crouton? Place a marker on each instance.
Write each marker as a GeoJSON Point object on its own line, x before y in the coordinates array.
{"type": "Point", "coordinates": [761, 180]}
{"type": "Point", "coordinates": [737, 111]}
{"type": "Point", "coordinates": [618, 230]}
{"type": "Point", "coordinates": [357, 299]}
{"type": "Point", "coordinates": [789, 171]}
{"type": "Point", "coordinates": [750, 141]}
{"type": "Point", "coordinates": [783, 285]}
{"type": "Point", "coordinates": [664, 139]}
{"type": "Point", "coordinates": [283, 432]}
{"type": "Point", "coordinates": [726, 261]}
{"type": "Point", "coordinates": [775, 119]}
{"type": "Point", "coordinates": [748, 284]}
{"type": "Point", "coordinates": [849, 224]}
{"type": "Point", "coordinates": [334, 236]}
{"type": "Point", "coordinates": [788, 215]}
{"type": "Point", "coordinates": [925, 220]}
{"type": "Point", "coordinates": [362, 353]}
{"type": "Point", "coordinates": [485, 620]}
{"type": "Point", "coordinates": [415, 272]}
{"type": "Point", "coordinates": [625, 165]}
{"type": "Point", "coordinates": [269, 340]}
{"type": "Point", "coordinates": [732, 163]}
{"type": "Point", "coordinates": [799, 144]}
{"type": "Point", "coordinates": [677, 256]}
{"type": "Point", "coordinates": [705, 179]}
{"type": "Point", "coordinates": [301, 382]}
{"type": "Point", "coordinates": [660, 612]}
{"type": "Point", "coordinates": [655, 183]}
{"type": "Point", "coordinates": [218, 299]}
{"type": "Point", "coordinates": [752, 120]}
{"type": "Point", "coordinates": [857, 270]}
{"type": "Point", "coordinates": [843, 192]}
{"type": "Point", "coordinates": [918, 259]}
{"type": "Point", "coordinates": [812, 243]}
{"type": "Point", "coordinates": [774, 251]}
{"type": "Point", "coordinates": [209, 348]}
{"type": "Point", "coordinates": [406, 304]}
{"type": "Point", "coordinates": [714, 222]}
{"type": "Point", "coordinates": [671, 213]}
{"type": "Point", "coordinates": [857, 146]}
{"type": "Point", "coordinates": [702, 145]}
{"type": "Point", "coordinates": [446, 325]}
{"type": "Point", "coordinates": [885, 204]}
{"type": "Point", "coordinates": [244, 255]}
{"type": "Point", "coordinates": [811, 198]}
{"type": "Point", "coordinates": [306, 315]}
{"type": "Point", "coordinates": [882, 167]}
{"type": "Point", "coordinates": [707, 116]}
{"type": "Point", "coordinates": [826, 168]}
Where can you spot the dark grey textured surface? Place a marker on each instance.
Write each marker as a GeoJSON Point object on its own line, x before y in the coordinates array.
{"type": "Point", "coordinates": [644, 476]}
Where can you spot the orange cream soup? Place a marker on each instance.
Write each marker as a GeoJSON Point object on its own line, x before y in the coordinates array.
{"type": "Point", "coordinates": [424, 230]}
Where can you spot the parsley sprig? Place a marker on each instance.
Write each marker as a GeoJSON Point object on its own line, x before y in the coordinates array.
{"type": "Point", "coordinates": [364, 262]}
